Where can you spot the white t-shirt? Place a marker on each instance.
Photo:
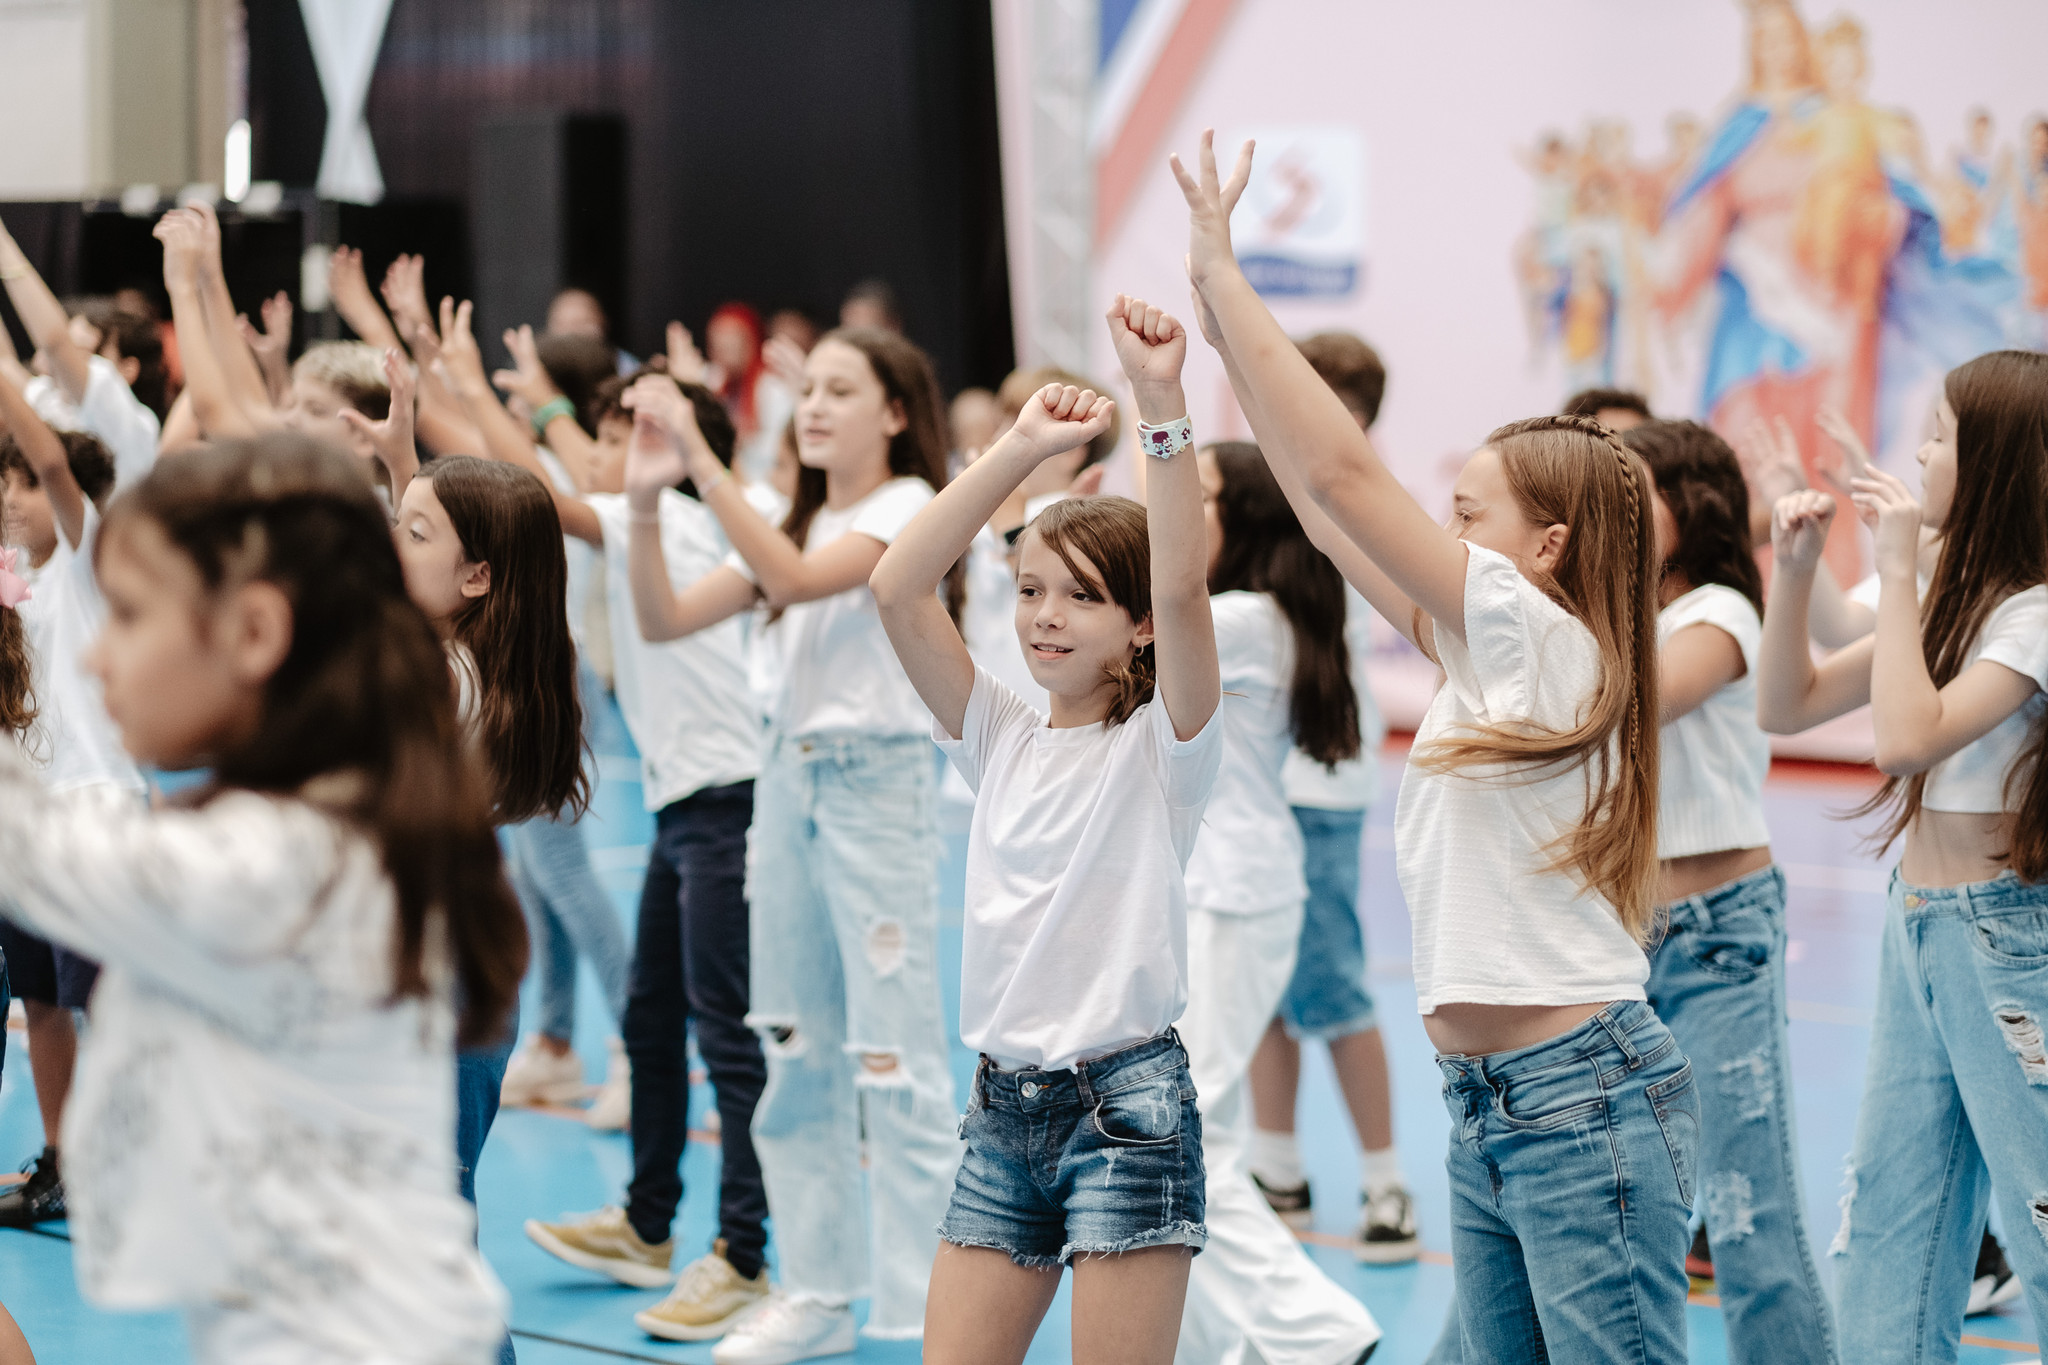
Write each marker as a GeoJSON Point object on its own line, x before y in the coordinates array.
{"type": "Point", "coordinates": [1974, 777]}
{"type": "Point", "coordinates": [1248, 858]}
{"type": "Point", "coordinates": [1715, 757]}
{"type": "Point", "coordinates": [839, 673]}
{"type": "Point", "coordinates": [1492, 925]}
{"type": "Point", "coordinates": [686, 702]}
{"type": "Point", "coordinates": [109, 410]}
{"type": "Point", "coordinates": [1075, 941]}
{"type": "Point", "coordinates": [764, 656]}
{"type": "Point", "coordinates": [1354, 783]}
{"type": "Point", "coordinates": [581, 555]}
{"type": "Point", "coordinates": [989, 624]}
{"type": "Point", "coordinates": [62, 620]}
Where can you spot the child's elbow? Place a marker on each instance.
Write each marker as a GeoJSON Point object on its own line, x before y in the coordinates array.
{"type": "Point", "coordinates": [1896, 760]}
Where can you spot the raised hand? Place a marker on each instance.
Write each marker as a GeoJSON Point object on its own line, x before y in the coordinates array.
{"type": "Point", "coordinates": [1769, 455]}
{"type": "Point", "coordinates": [655, 459]}
{"type": "Point", "coordinates": [1799, 529]}
{"type": "Point", "coordinates": [1893, 514]}
{"type": "Point", "coordinates": [1059, 418]}
{"type": "Point", "coordinates": [1088, 482]}
{"type": "Point", "coordinates": [405, 294]}
{"type": "Point", "coordinates": [391, 440]}
{"type": "Point", "coordinates": [528, 380]}
{"type": "Point", "coordinates": [459, 354]}
{"type": "Point", "coordinates": [1210, 202]}
{"type": "Point", "coordinates": [1152, 346]}
{"type": "Point", "coordinates": [785, 360]}
{"type": "Point", "coordinates": [685, 361]}
{"type": "Point", "coordinates": [209, 234]}
{"type": "Point", "coordinates": [181, 233]}
{"type": "Point", "coordinates": [1837, 428]}
{"type": "Point", "coordinates": [272, 345]}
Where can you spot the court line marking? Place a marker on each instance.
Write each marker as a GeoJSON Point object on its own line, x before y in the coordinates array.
{"type": "Point", "coordinates": [611, 1351]}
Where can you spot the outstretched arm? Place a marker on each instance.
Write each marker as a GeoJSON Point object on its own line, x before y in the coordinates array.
{"type": "Point", "coordinates": [350, 290]}
{"type": "Point", "coordinates": [1791, 693]}
{"type": "Point", "coordinates": [906, 581]}
{"type": "Point", "coordinates": [660, 458]}
{"type": "Point", "coordinates": [45, 454]}
{"type": "Point", "coordinates": [1307, 424]}
{"type": "Point", "coordinates": [392, 437]}
{"type": "Point", "coordinates": [272, 346]}
{"type": "Point", "coordinates": [213, 405]}
{"type": "Point", "coordinates": [237, 362]}
{"type": "Point", "coordinates": [1151, 345]}
{"type": "Point", "coordinates": [530, 381]}
{"type": "Point", "coordinates": [49, 327]}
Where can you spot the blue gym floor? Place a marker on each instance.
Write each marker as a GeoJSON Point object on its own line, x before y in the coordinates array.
{"type": "Point", "coordinates": [544, 1165]}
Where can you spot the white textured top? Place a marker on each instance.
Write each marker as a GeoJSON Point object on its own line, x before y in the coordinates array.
{"type": "Point", "coordinates": [253, 1122]}
{"type": "Point", "coordinates": [1248, 856]}
{"type": "Point", "coordinates": [1355, 783]}
{"type": "Point", "coordinates": [109, 410]}
{"type": "Point", "coordinates": [1715, 757]}
{"type": "Point", "coordinates": [686, 702]}
{"type": "Point", "coordinates": [62, 620]}
{"type": "Point", "coordinates": [838, 671]}
{"type": "Point", "coordinates": [1974, 778]}
{"type": "Point", "coordinates": [1492, 925]}
{"type": "Point", "coordinates": [1076, 938]}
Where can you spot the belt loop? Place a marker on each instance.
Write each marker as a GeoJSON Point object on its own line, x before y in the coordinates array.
{"type": "Point", "coordinates": [1614, 1031]}
{"type": "Point", "coordinates": [979, 1095]}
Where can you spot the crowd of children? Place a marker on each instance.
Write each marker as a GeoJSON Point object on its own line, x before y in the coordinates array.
{"type": "Point", "coordinates": [803, 589]}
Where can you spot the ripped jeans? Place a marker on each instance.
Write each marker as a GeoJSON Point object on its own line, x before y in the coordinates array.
{"type": "Point", "coordinates": [842, 880]}
{"type": "Point", "coordinates": [1955, 1102]}
{"type": "Point", "coordinates": [1718, 983]}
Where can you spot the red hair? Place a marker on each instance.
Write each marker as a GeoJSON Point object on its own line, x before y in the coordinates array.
{"type": "Point", "coordinates": [738, 389]}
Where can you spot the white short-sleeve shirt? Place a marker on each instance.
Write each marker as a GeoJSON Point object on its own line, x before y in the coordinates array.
{"type": "Point", "coordinates": [1974, 778]}
{"type": "Point", "coordinates": [1492, 924]}
{"type": "Point", "coordinates": [1075, 942]}
{"type": "Point", "coordinates": [1248, 858]}
{"type": "Point", "coordinates": [109, 410]}
{"type": "Point", "coordinates": [1715, 757]}
{"type": "Point", "coordinates": [838, 671]}
{"type": "Point", "coordinates": [63, 619]}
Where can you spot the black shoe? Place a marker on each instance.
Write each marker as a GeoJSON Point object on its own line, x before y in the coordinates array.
{"type": "Point", "coordinates": [1994, 1283]}
{"type": "Point", "coordinates": [1291, 1202]}
{"type": "Point", "coordinates": [1699, 1261]}
{"type": "Point", "coordinates": [39, 1199]}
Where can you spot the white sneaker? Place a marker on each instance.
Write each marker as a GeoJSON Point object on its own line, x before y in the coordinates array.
{"type": "Point", "coordinates": [612, 1110]}
{"type": "Point", "coordinates": [786, 1329]}
{"type": "Point", "coordinates": [536, 1075]}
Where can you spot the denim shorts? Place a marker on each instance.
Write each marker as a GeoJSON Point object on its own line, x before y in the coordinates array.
{"type": "Point", "coordinates": [1327, 998]}
{"type": "Point", "coordinates": [1101, 1159]}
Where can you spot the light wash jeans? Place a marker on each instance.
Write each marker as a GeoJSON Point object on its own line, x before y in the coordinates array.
{"type": "Point", "coordinates": [567, 913]}
{"type": "Point", "coordinates": [842, 880]}
{"type": "Point", "coordinates": [1955, 1102]}
{"type": "Point", "coordinates": [1253, 1293]}
{"type": "Point", "coordinates": [1571, 1167]}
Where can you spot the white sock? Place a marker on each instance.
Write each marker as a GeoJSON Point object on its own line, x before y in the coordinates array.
{"type": "Point", "coordinates": [1380, 1170]}
{"type": "Point", "coordinates": [1276, 1159]}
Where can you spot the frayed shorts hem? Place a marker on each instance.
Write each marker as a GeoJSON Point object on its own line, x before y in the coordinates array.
{"type": "Point", "coordinates": [1194, 1236]}
{"type": "Point", "coordinates": [1368, 1018]}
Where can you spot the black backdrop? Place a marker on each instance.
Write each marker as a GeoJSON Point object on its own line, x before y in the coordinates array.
{"type": "Point", "coordinates": [778, 151]}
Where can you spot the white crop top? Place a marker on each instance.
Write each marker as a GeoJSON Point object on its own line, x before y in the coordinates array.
{"type": "Point", "coordinates": [1715, 757]}
{"type": "Point", "coordinates": [1492, 925]}
{"type": "Point", "coordinates": [1974, 777]}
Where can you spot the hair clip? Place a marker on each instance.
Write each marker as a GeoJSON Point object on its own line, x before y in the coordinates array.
{"type": "Point", "coordinates": [14, 589]}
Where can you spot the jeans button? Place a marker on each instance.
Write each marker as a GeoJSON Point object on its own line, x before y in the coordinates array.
{"type": "Point", "coordinates": [1029, 1089]}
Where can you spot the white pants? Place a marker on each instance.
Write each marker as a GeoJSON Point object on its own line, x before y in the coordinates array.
{"type": "Point", "coordinates": [1253, 1294]}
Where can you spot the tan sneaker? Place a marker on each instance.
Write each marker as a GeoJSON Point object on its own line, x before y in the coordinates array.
{"type": "Point", "coordinates": [605, 1242]}
{"type": "Point", "coordinates": [709, 1298]}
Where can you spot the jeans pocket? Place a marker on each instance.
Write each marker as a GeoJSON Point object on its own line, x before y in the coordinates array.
{"type": "Point", "coordinates": [1676, 1102]}
{"type": "Point", "coordinates": [1143, 1114]}
{"type": "Point", "coordinates": [2017, 938]}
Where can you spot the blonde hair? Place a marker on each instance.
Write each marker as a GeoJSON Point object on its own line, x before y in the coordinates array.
{"type": "Point", "coordinates": [353, 369]}
{"type": "Point", "coordinates": [1572, 471]}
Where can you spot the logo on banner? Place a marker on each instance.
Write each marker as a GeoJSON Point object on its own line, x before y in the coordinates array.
{"type": "Point", "coordinates": [1300, 228]}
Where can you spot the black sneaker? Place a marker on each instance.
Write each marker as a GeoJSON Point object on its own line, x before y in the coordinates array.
{"type": "Point", "coordinates": [1994, 1283]}
{"type": "Point", "coordinates": [1699, 1261]}
{"type": "Point", "coordinates": [1386, 1234]}
{"type": "Point", "coordinates": [1291, 1202]}
{"type": "Point", "coordinates": [39, 1199]}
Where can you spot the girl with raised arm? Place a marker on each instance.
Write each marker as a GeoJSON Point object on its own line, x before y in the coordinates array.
{"type": "Point", "coordinates": [1526, 835]}
{"type": "Point", "coordinates": [1083, 1136]}
{"type": "Point", "coordinates": [1955, 1100]}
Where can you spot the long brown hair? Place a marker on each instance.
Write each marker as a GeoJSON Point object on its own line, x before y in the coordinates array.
{"type": "Point", "coordinates": [1111, 535]}
{"type": "Point", "coordinates": [17, 677]}
{"type": "Point", "coordinates": [529, 720]}
{"type": "Point", "coordinates": [1994, 543]}
{"type": "Point", "coordinates": [1572, 471]}
{"type": "Point", "coordinates": [1265, 550]}
{"type": "Point", "coordinates": [918, 451]}
{"type": "Point", "coordinates": [1701, 481]}
{"type": "Point", "coordinates": [364, 693]}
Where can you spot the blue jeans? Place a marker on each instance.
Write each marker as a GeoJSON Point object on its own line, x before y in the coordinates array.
{"type": "Point", "coordinates": [1327, 998]}
{"type": "Point", "coordinates": [1718, 982]}
{"type": "Point", "coordinates": [842, 885]}
{"type": "Point", "coordinates": [479, 1075]}
{"type": "Point", "coordinates": [1571, 1167]}
{"type": "Point", "coordinates": [567, 913]}
{"type": "Point", "coordinates": [1100, 1159]}
{"type": "Point", "coordinates": [1955, 1103]}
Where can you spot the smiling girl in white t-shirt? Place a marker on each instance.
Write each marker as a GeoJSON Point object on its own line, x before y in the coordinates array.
{"type": "Point", "coordinates": [1083, 1137]}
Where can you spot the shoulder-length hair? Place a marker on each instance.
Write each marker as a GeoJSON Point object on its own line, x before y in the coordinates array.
{"type": "Point", "coordinates": [364, 693]}
{"type": "Point", "coordinates": [1571, 471]}
{"type": "Point", "coordinates": [1701, 482]}
{"type": "Point", "coordinates": [1265, 550]}
{"type": "Point", "coordinates": [1105, 543]}
{"type": "Point", "coordinates": [1994, 543]}
{"type": "Point", "coordinates": [529, 722]}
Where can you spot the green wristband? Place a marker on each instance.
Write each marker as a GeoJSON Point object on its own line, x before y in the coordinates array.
{"type": "Point", "coordinates": [558, 406]}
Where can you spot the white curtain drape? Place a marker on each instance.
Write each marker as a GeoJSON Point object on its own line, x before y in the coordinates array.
{"type": "Point", "coordinates": [345, 36]}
